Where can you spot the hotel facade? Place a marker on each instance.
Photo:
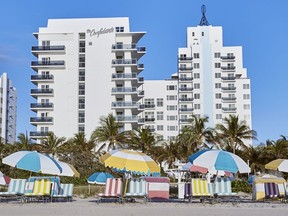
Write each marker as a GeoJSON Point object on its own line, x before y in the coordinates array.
{"type": "Point", "coordinates": [8, 106]}
{"type": "Point", "coordinates": [88, 68]}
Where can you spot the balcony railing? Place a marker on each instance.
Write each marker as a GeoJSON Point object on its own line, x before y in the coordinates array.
{"type": "Point", "coordinates": [186, 99]}
{"type": "Point", "coordinates": [39, 133]}
{"type": "Point", "coordinates": [128, 47]}
{"type": "Point", "coordinates": [41, 105]}
{"type": "Point", "coordinates": [124, 61]}
{"type": "Point", "coordinates": [229, 109]}
{"type": "Point", "coordinates": [41, 91]}
{"type": "Point", "coordinates": [228, 88]}
{"type": "Point", "coordinates": [228, 68]}
{"type": "Point", "coordinates": [185, 68]}
{"type": "Point", "coordinates": [186, 89]}
{"type": "Point", "coordinates": [47, 63]}
{"type": "Point", "coordinates": [123, 104]}
{"type": "Point", "coordinates": [229, 98]}
{"type": "Point", "coordinates": [228, 78]}
{"type": "Point", "coordinates": [185, 58]}
{"type": "Point", "coordinates": [48, 48]}
{"type": "Point", "coordinates": [185, 120]}
{"type": "Point", "coordinates": [141, 79]}
{"type": "Point", "coordinates": [227, 57]}
{"type": "Point", "coordinates": [134, 118]}
{"type": "Point", "coordinates": [42, 77]}
{"type": "Point", "coordinates": [185, 78]}
{"type": "Point", "coordinates": [186, 109]}
{"type": "Point", "coordinates": [124, 75]}
{"type": "Point", "coordinates": [41, 119]}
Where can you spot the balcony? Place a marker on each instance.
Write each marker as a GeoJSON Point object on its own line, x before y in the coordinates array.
{"type": "Point", "coordinates": [185, 69]}
{"type": "Point", "coordinates": [228, 68]}
{"type": "Point", "coordinates": [183, 59]}
{"type": "Point", "coordinates": [41, 92]}
{"type": "Point", "coordinates": [38, 134]}
{"type": "Point", "coordinates": [185, 89]}
{"type": "Point", "coordinates": [42, 78]}
{"type": "Point", "coordinates": [186, 99]}
{"type": "Point", "coordinates": [36, 50]}
{"type": "Point", "coordinates": [229, 99]}
{"type": "Point", "coordinates": [186, 109]}
{"type": "Point", "coordinates": [127, 62]}
{"type": "Point", "coordinates": [41, 106]}
{"type": "Point", "coordinates": [124, 76]}
{"type": "Point", "coordinates": [185, 120]}
{"type": "Point", "coordinates": [41, 120]}
{"type": "Point", "coordinates": [231, 88]}
{"type": "Point", "coordinates": [227, 58]}
{"type": "Point", "coordinates": [127, 91]}
{"type": "Point", "coordinates": [185, 78]}
{"type": "Point", "coordinates": [125, 104]}
{"type": "Point", "coordinates": [229, 109]}
{"type": "Point", "coordinates": [129, 119]}
{"type": "Point", "coordinates": [35, 65]}
{"type": "Point", "coordinates": [133, 47]}
{"type": "Point", "coordinates": [228, 78]}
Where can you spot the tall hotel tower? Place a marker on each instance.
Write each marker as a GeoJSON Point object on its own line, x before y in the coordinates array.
{"type": "Point", "coordinates": [8, 106]}
{"type": "Point", "coordinates": [211, 82]}
{"type": "Point", "coordinates": [86, 68]}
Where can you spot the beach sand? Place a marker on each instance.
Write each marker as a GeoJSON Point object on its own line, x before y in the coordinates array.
{"type": "Point", "coordinates": [81, 207]}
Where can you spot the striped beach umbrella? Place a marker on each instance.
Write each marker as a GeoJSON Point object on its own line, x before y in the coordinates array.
{"type": "Point", "coordinates": [278, 164]}
{"type": "Point", "coordinates": [130, 161]}
{"type": "Point", "coordinates": [68, 170]}
{"type": "Point", "coordinates": [4, 180]}
{"type": "Point", "coordinates": [99, 178]}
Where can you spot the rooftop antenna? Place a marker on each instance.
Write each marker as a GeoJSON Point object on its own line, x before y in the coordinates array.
{"type": "Point", "coordinates": [203, 21]}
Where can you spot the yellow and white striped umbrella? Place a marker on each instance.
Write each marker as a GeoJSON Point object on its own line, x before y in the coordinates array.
{"type": "Point", "coordinates": [130, 161]}
{"type": "Point", "coordinates": [278, 164]}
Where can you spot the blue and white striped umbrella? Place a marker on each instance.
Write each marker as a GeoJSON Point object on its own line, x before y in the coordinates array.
{"type": "Point", "coordinates": [99, 178]}
{"type": "Point", "coordinates": [34, 162]}
{"type": "Point", "coordinates": [219, 160]}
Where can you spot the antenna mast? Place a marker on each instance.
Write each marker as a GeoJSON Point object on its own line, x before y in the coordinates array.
{"type": "Point", "coordinates": [203, 21]}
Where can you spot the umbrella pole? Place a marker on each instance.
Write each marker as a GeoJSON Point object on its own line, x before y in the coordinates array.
{"type": "Point", "coordinates": [89, 189]}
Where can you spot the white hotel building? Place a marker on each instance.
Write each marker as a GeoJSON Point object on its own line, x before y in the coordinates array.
{"type": "Point", "coordinates": [87, 68]}
{"type": "Point", "coordinates": [8, 105]}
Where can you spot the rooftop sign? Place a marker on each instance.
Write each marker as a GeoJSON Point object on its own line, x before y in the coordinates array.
{"type": "Point", "coordinates": [93, 32]}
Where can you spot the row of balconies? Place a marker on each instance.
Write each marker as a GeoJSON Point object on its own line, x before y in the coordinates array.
{"type": "Point", "coordinates": [223, 58]}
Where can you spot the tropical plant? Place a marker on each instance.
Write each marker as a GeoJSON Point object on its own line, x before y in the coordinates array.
{"type": "Point", "coordinates": [255, 156]}
{"type": "Point", "coordinates": [24, 142]}
{"type": "Point", "coordinates": [108, 133]}
{"type": "Point", "coordinates": [168, 153]}
{"type": "Point", "coordinates": [233, 132]}
{"type": "Point", "coordinates": [277, 149]}
{"type": "Point", "coordinates": [51, 144]}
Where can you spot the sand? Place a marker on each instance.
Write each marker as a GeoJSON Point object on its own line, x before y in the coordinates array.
{"type": "Point", "coordinates": [81, 207]}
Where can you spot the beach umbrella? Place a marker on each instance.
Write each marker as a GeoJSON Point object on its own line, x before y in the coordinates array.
{"type": "Point", "coordinates": [278, 164]}
{"type": "Point", "coordinates": [68, 170]}
{"type": "Point", "coordinates": [130, 161]}
{"type": "Point", "coordinates": [4, 180]}
{"type": "Point", "coordinates": [214, 159]}
{"type": "Point", "coordinates": [34, 162]}
{"type": "Point", "coordinates": [99, 178]}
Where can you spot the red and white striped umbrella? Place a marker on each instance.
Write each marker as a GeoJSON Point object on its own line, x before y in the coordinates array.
{"type": "Point", "coordinates": [4, 180]}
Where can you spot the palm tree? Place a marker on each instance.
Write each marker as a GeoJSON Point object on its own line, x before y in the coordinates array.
{"type": "Point", "coordinates": [141, 139]}
{"type": "Point", "coordinates": [278, 149]}
{"type": "Point", "coordinates": [24, 142]}
{"type": "Point", "coordinates": [255, 156]}
{"type": "Point", "coordinates": [233, 132]}
{"type": "Point", "coordinates": [108, 132]}
{"type": "Point", "coordinates": [196, 135]}
{"type": "Point", "coordinates": [51, 144]}
{"type": "Point", "coordinates": [169, 153]}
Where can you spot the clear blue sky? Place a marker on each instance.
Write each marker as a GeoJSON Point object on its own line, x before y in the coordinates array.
{"type": "Point", "coordinates": [260, 27]}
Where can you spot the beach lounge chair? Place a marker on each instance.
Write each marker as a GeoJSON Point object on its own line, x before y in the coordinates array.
{"type": "Point", "coordinates": [113, 189]}
{"type": "Point", "coordinates": [16, 189]}
{"type": "Point", "coordinates": [271, 190]}
{"type": "Point", "coordinates": [65, 192]}
{"type": "Point", "coordinates": [200, 189]}
{"type": "Point", "coordinates": [188, 191]}
{"type": "Point", "coordinates": [136, 189]}
{"type": "Point", "coordinates": [223, 190]}
{"type": "Point", "coordinates": [41, 191]}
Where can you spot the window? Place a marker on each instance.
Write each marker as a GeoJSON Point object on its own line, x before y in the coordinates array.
{"type": "Point", "coordinates": [196, 65]}
{"type": "Point", "coordinates": [81, 128]}
{"type": "Point", "coordinates": [246, 106]}
{"type": "Point", "coordinates": [149, 116]}
{"type": "Point", "coordinates": [149, 103]}
{"type": "Point", "coordinates": [171, 97]}
{"type": "Point", "coordinates": [82, 46]}
{"type": "Point", "coordinates": [196, 75]}
{"type": "Point", "coordinates": [246, 96]}
{"type": "Point", "coordinates": [171, 87]}
{"type": "Point", "coordinates": [81, 75]}
{"type": "Point", "coordinates": [202, 33]}
{"type": "Point", "coordinates": [196, 55]}
{"type": "Point", "coordinates": [45, 43]}
{"type": "Point", "coordinates": [196, 85]}
{"type": "Point", "coordinates": [81, 60]}
{"type": "Point", "coordinates": [171, 138]}
{"type": "Point", "coordinates": [172, 128]}
{"type": "Point", "coordinates": [218, 95]}
{"type": "Point", "coordinates": [217, 65]}
{"type": "Point", "coordinates": [196, 96]}
{"type": "Point", "coordinates": [193, 34]}
{"type": "Point", "coordinates": [159, 102]}
{"type": "Point", "coordinates": [81, 89]}
{"type": "Point", "coordinates": [160, 116]}
{"type": "Point", "coordinates": [246, 86]}
{"type": "Point", "coordinates": [218, 116]}
{"type": "Point", "coordinates": [120, 29]}
{"type": "Point", "coordinates": [81, 117]}
{"type": "Point", "coordinates": [218, 106]}
{"type": "Point", "coordinates": [217, 75]}
{"type": "Point", "coordinates": [81, 102]}
{"type": "Point", "coordinates": [81, 35]}
{"type": "Point", "coordinates": [196, 106]}
{"type": "Point", "coordinates": [172, 118]}
{"type": "Point", "coordinates": [160, 127]}
{"type": "Point", "coordinates": [172, 107]}
{"type": "Point", "coordinates": [217, 85]}
{"type": "Point", "coordinates": [216, 55]}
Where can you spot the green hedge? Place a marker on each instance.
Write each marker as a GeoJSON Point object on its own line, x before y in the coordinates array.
{"type": "Point", "coordinates": [241, 186]}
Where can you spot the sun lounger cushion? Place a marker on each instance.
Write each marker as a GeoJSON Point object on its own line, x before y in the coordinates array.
{"type": "Point", "coordinates": [271, 190]}
{"type": "Point", "coordinates": [113, 188]}
{"type": "Point", "coordinates": [223, 187]}
{"type": "Point", "coordinates": [42, 187]}
{"type": "Point", "coordinates": [136, 187]}
{"type": "Point", "coordinates": [15, 187]}
{"type": "Point", "coordinates": [65, 191]}
{"type": "Point", "coordinates": [200, 187]}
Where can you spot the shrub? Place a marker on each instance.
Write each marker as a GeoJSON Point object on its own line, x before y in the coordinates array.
{"type": "Point", "coordinates": [241, 186]}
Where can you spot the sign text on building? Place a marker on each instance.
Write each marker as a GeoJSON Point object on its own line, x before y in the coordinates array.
{"type": "Point", "coordinates": [93, 32]}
